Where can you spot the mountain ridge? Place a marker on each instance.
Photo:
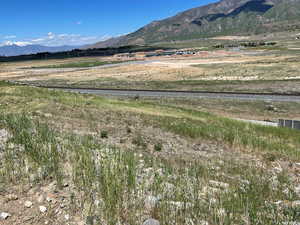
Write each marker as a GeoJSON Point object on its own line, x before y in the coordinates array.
{"type": "Point", "coordinates": [15, 50]}
{"type": "Point", "coordinates": [226, 17]}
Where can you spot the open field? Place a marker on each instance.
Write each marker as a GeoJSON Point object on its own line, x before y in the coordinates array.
{"type": "Point", "coordinates": [169, 160]}
{"type": "Point", "coordinates": [67, 158]}
{"type": "Point", "coordinates": [262, 69]}
{"type": "Point", "coordinates": [240, 109]}
{"type": "Point", "coordinates": [82, 64]}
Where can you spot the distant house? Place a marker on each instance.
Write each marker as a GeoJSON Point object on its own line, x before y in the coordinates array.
{"type": "Point", "coordinates": [125, 55]}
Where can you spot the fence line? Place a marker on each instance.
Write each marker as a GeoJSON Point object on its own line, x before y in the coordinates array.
{"type": "Point", "coordinates": [294, 124]}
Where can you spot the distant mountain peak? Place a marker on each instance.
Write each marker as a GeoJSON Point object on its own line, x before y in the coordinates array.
{"type": "Point", "coordinates": [22, 48]}
{"type": "Point", "coordinates": [16, 43]}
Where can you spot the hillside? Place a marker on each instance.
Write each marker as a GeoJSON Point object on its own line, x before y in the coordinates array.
{"type": "Point", "coordinates": [78, 159]}
{"type": "Point", "coordinates": [226, 17]}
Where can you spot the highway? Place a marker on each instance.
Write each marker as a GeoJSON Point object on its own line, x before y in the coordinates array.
{"type": "Point", "coordinates": [184, 94]}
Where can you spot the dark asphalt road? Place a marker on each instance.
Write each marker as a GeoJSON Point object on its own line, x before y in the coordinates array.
{"type": "Point", "coordinates": [183, 94]}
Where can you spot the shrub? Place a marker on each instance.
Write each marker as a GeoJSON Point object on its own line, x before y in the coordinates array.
{"type": "Point", "coordinates": [158, 147]}
{"type": "Point", "coordinates": [128, 130]}
{"type": "Point", "coordinates": [104, 134]}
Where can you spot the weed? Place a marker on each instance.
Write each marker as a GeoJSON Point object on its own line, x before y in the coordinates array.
{"type": "Point", "coordinates": [104, 134]}
{"type": "Point", "coordinates": [120, 180]}
{"type": "Point", "coordinates": [139, 141]}
{"type": "Point", "coordinates": [158, 147]}
{"type": "Point", "coordinates": [128, 130]}
{"type": "Point", "coordinates": [271, 157]}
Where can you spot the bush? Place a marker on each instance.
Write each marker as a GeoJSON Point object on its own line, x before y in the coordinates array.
{"type": "Point", "coordinates": [128, 130]}
{"type": "Point", "coordinates": [158, 147]}
{"type": "Point", "coordinates": [104, 134]}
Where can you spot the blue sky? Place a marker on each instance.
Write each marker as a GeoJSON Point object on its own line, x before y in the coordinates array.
{"type": "Point", "coordinates": [77, 22]}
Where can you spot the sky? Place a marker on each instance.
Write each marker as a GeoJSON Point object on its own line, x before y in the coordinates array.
{"type": "Point", "coordinates": [79, 22]}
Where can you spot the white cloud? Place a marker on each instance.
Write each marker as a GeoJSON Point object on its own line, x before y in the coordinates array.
{"type": "Point", "coordinates": [79, 22]}
{"type": "Point", "coordinates": [22, 43]}
{"type": "Point", "coordinates": [52, 39]}
{"type": "Point", "coordinates": [51, 35]}
{"type": "Point", "coordinates": [38, 40]}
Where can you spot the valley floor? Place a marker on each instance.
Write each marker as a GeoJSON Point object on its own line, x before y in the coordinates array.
{"type": "Point", "coordinates": [69, 158]}
{"type": "Point", "coordinates": [249, 70]}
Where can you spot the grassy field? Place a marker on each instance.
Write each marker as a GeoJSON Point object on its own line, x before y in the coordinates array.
{"type": "Point", "coordinates": [257, 86]}
{"type": "Point", "coordinates": [255, 110]}
{"type": "Point", "coordinates": [83, 64]}
{"type": "Point", "coordinates": [168, 161]}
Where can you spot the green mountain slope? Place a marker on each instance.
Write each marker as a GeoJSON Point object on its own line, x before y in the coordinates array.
{"type": "Point", "coordinates": [226, 17]}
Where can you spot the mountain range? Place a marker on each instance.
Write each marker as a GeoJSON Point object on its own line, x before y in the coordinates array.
{"type": "Point", "coordinates": [13, 49]}
{"type": "Point", "coordinates": [226, 17]}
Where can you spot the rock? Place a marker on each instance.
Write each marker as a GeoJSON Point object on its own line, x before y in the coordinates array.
{"type": "Point", "coordinates": [49, 199]}
{"type": "Point", "coordinates": [151, 202]}
{"type": "Point", "coordinates": [27, 219]}
{"type": "Point", "coordinates": [291, 223]}
{"type": "Point", "coordinates": [286, 191]}
{"type": "Point", "coordinates": [169, 189]}
{"type": "Point", "coordinates": [11, 197]}
{"type": "Point", "coordinates": [221, 212]}
{"type": "Point", "coordinates": [295, 204]}
{"type": "Point", "coordinates": [189, 221]}
{"type": "Point", "coordinates": [48, 115]}
{"type": "Point", "coordinates": [67, 217]}
{"type": "Point", "coordinates": [297, 190]}
{"type": "Point", "coordinates": [212, 201]}
{"type": "Point", "coordinates": [159, 172]}
{"type": "Point", "coordinates": [274, 182]}
{"type": "Point", "coordinates": [151, 222]}
{"type": "Point", "coordinates": [210, 191]}
{"type": "Point", "coordinates": [218, 184]}
{"type": "Point", "coordinates": [148, 171]}
{"type": "Point", "coordinates": [28, 204]}
{"type": "Point", "coordinates": [278, 203]}
{"type": "Point", "coordinates": [4, 135]}
{"type": "Point", "coordinates": [43, 209]}
{"type": "Point", "coordinates": [41, 199]}
{"type": "Point", "coordinates": [4, 215]}
{"type": "Point", "coordinates": [180, 205]}
{"type": "Point", "coordinates": [277, 168]}
{"type": "Point", "coordinates": [271, 108]}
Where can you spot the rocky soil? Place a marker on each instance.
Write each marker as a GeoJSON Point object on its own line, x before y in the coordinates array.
{"type": "Point", "coordinates": [51, 203]}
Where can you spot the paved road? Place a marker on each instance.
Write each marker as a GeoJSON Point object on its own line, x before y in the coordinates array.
{"type": "Point", "coordinates": [183, 94]}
